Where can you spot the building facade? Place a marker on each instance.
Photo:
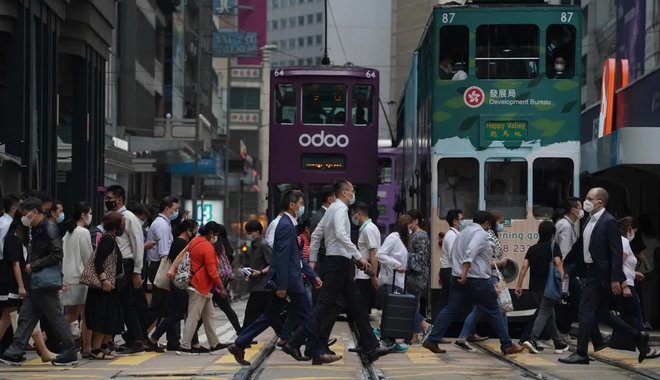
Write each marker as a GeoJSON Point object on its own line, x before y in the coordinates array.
{"type": "Point", "coordinates": [296, 28]}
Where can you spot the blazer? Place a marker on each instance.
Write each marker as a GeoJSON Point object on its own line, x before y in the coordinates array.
{"type": "Point", "coordinates": [606, 251]}
{"type": "Point", "coordinates": [287, 259]}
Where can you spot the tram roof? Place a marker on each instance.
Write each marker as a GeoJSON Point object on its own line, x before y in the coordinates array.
{"type": "Point", "coordinates": [323, 70]}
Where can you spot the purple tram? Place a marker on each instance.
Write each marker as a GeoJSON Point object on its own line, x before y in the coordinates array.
{"type": "Point", "coordinates": [323, 127]}
{"type": "Point", "coordinates": [390, 173]}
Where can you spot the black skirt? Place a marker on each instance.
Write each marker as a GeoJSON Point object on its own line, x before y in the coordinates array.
{"type": "Point", "coordinates": [103, 312]}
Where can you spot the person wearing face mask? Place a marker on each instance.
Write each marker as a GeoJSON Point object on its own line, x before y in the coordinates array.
{"type": "Point", "coordinates": [45, 251]}
{"type": "Point", "coordinates": [600, 265]}
{"type": "Point", "coordinates": [560, 69]}
{"type": "Point", "coordinates": [419, 264]}
{"type": "Point", "coordinates": [568, 227]}
{"type": "Point", "coordinates": [447, 70]}
{"type": "Point", "coordinates": [368, 244]}
{"type": "Point", "coordinates": [285, 271]}
{"type": "Point", "coordinates": [77, 251]}
{"type": "Point", "coordinates": [260, 255]}
{"type": "Point", "coordinates": [456, 224]}
{"type": "Point", "coordinates": [204, 276]}
{"type": "Point", "coordinates": [131, 246]}
{"type": "Point", "coordinates": [178, 300]}
{"type": "Point", "coordinates": [56, 216]}
{"type": "Point", "coordinates": [338, 271]}
{"type": "Point", "coordinates": [630, 304]}
{"type": "Point", "coordinates": [472, 284]}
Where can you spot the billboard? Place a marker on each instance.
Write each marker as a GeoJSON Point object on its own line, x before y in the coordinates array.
{"type": "Point", "coordinates": [234, 44]}
{"type": "Point", "coordinates": [631, 34]}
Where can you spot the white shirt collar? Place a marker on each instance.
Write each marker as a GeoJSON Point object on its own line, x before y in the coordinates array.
{"type": "Point", "coordinates": [325, 208]}
{"type": "Point", "coordinates": [597, 215]}
{"type": "Point", "coordinates": [293, 219]}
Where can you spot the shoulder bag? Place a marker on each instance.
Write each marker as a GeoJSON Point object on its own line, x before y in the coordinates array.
{"type": "Point", "coordinates": [89, 276]}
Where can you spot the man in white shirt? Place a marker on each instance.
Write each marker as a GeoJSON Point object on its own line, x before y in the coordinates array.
{"type": "Point", "coordinates": [567, 227]}
{"type": "Point", "coordinates": [131, 246]}
{"type": "Point", "coordinates": [368, 244]}
{"type": "Point", "coordinates": [338, 270]}
{"type": "Point", "coordinates": [454, 219]}
{"type": "Point", "coordinates": [471, 284]}
{"type": "Point", "coordinates": [270, 230]}
{"type": "Point", "coordinates": [10, 205]}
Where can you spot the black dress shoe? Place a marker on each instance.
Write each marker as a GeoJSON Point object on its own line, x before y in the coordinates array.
{"type": "Point", "coordinates": [295, 353]}
{"type": "Point", "coordinates": [332, 341]}
{"type": "Point", "coordinates": [239, 354]}
{"type": "Point", "coordinates": [575, 358]}
{"type": "Point", "coordinates": [602, 345]}
{"type": "Point", "coordinates": [326, 359]}
{"type": "Point", "coordinates": [642, 344]}
{"type": "Point", "coordinates": [377, 352]}
{"type": "Point", "coordinates": [357, 349]}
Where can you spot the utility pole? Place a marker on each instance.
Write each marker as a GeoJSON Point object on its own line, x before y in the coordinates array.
{"type": "Point", "coordinates": [198, 112]}
{"type": "Point", "coordinates": [225, 201]}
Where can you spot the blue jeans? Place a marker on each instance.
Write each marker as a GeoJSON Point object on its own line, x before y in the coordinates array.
{"type": "Point", "coordinates": [479, 292]}
{"type": "Point", "coordinates": [475, 316]}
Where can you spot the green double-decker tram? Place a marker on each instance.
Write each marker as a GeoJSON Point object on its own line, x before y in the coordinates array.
{"type": "Point", "coordinates": [490, 119]}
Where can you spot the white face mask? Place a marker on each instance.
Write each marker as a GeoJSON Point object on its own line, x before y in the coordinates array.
{"type": "Point", "coordinates": [88, 219]}
{"type": "Point", "coordinates": [214, 240]}
{"type": "Point", "coordinates": [580, 213]}
{"type": "Point", "coordinates": [631, 236]}
{"type": "Point", "coordinates": [27, 222]}
{"type": "Point", "coordinates": [559, 67]}
{"type": "Point", "coordinates": [587, 206]}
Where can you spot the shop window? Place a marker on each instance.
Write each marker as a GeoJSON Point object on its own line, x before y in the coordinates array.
{"type": "Point", "coordinates": [458, 186]}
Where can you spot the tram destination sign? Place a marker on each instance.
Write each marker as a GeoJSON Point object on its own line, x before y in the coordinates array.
{"type": "Point", "coordinates": [506, 130]}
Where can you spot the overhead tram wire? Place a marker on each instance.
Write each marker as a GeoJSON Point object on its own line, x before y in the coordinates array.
{"type": "Point", "coordinates": [336, 30]}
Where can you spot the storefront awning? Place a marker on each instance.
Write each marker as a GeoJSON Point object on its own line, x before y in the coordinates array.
{"type": "Point", "coordinates": [625, 146]}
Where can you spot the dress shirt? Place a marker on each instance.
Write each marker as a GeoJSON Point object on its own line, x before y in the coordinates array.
{"type": "Point", "coordinates": [270, 230]}
{"type": "Point", "coordinates": [629, 262]}
{"type": "Point", "coordinates": [566, 235]}
{"type": "Point", "coordinates": [369, 239]}
{"type": "Point", "coordinates": [447, 244]}
{"type": "Point", "coordinates": [160, 232]}
{"type": "Point", "coordinates": [472, 246]}
{"type": "Point", "coordinates": [586, 235]}
{"type": "Point", "coordinates": [5, 222]}
{"type": "Point", "coordinates": [131, 243]}
{"type": "Point", "coordinates": [336, 229]}
{"type": "Point", "coordinates": [392, 255]}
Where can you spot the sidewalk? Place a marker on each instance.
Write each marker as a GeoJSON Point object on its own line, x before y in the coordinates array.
{"type": "Point", "coordinates": [654, 335]}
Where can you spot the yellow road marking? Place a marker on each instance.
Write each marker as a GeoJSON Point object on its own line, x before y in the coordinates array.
{"type": "Point", "coordinates": [419, 355]}
{"type": "Point", "coordinates": [627, 358]}
{"type": "Point", "coordinates": [135, 359]}
{"type": "Point", "coordinates": [524, 358]}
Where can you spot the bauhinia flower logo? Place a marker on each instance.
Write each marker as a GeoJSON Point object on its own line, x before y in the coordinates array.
{"type": "Point", "coordinates": [474, 97]}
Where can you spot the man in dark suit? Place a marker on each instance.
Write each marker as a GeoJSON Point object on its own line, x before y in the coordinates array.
{"type": "Point", "coordinates": [598, 254]}
{"type": "Point", "coordinates": [285, 270]}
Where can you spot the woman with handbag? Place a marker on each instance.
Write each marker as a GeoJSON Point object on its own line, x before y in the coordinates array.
{"type": "Point", "coordinates": [222, 295]}
{"type": "Point", "coordinates": [203, 277]}
{"type": "Point", "coordinates": [544, 259]}
{"type": "Point", "coordinates": [178, 303]}
{"type": "Point", "coordinates": [77, 247]}
{"type": "Point", "coordinates": [419, 265]}
{"type": "Point", "coordinates": [102, 309]}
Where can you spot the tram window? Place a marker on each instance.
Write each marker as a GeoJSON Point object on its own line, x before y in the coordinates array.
{"type": "Point", "coordinates": [507, 51]}
{"type": "Point", "coordinates": [506, 186]}
{"type": "Point", "coordinates": [560, 52]}
{"type": "Point", "coordinates": [384, 171]}
{"type": "Point", "coordinates": [458, 186]}
{"type": "Point", "coordinates": [363, 104]}
{"type": "Point", "coordinates": [365, 193]}
{"type": "Point", "coordinates": [324, 104]}
{"type": "Point", "coordinates": [552, 183]}
{"type": "Point", "coordinates": [454, 42]}
{"type": "Point", "coordinates": [285, 104]}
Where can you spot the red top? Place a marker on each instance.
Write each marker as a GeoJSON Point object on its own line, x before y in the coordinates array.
{"type": "Point", "coordinates": [203, 265]}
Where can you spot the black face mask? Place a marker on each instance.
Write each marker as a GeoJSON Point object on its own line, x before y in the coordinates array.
{"type": "Point", "coordinates": [110, 205]}
{"type": "Point", "coordinates": [120, 232]}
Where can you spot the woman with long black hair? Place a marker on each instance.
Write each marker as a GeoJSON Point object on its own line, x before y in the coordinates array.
{"type": "Point", "coordinates": [221, 299]}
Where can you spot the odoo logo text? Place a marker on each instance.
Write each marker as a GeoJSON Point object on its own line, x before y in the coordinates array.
{"type": "Point", "coordinates": [321, 139]}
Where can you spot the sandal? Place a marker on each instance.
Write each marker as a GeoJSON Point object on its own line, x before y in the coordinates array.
{"type": "Point", "coordinates": [99, 354]}
{"type": "Point", "coordinates": [653, 353]}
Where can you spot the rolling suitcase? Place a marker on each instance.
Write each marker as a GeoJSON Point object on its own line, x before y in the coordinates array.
{"type": "Point", "coordinates": [398, 319]}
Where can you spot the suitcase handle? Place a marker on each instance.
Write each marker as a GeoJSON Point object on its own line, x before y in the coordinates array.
{"type": "Point", "coordinates": [394, 272]}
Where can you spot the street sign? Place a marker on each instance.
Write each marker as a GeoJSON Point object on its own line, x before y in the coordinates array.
{"type": "Point", "coordinates": [234, 44]}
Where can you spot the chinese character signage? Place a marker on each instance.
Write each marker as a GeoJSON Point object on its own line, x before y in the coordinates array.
{"type": "Point", "coordinates": [245, 73]}
{"type": "Point", "coordinates": [224, 7]}
{"type": "Point", "coordinates": [235, 44]}
{"type": "Point", "coordinates": [244, 117]}
{"type": "Point", "coordinates": [506, 130]}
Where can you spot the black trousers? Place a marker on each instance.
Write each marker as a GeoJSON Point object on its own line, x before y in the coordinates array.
{"type": "Point", "coordinates": [368, 293]}
{"type": "Point", "coordinates": [595, 307]}
{"type": "Point", "coordinates": [126, 296]}
{"type": "Point", "coordinates": [257, 303]}
{"type": "Point", "coordinates": [443, 297]}
{"type": "Point", "coordinates": [225, 306]}
{"type": "Point", "coordinates": [338, 281]}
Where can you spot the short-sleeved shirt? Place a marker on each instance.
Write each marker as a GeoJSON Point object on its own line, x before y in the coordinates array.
{"type": "Point", "coordinates": [539, 256]}
{"type": "Point", "coordinates": [369, 239]}
{"type": "Point", "coordinates": [629, 262]}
